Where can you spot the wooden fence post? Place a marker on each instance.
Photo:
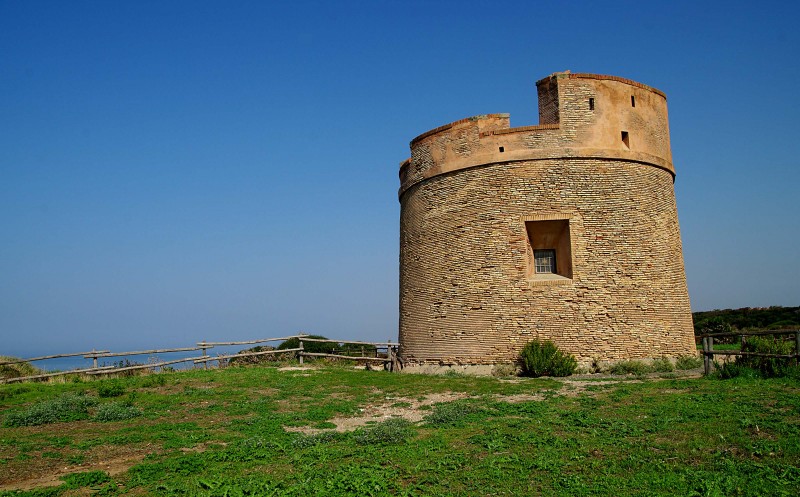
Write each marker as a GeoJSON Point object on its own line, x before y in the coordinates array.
{"type": "Point", "coordinates": [203, 349]}
{"type": "Point", "coordinates": [706, 357]}
{"type": "Point", "coordinates": [300, 352]}
{"type": "Point", "coordinates": [94, 358]}
{"type": "Point", "coordinates": [797, 347]}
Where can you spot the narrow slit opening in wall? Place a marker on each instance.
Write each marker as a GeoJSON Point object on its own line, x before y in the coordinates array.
{"type": "Point", "coordinates": [502, 149]}
{"type": "Point", "coordinates": [626, 139]}
{"type": "Point", "coordinates": [591, 104]}
{"type": "Point", "coordinates": [633, 101]}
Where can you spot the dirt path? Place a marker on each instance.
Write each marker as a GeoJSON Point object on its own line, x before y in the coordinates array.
{"type": "Point", "coordinates": [112, 467]}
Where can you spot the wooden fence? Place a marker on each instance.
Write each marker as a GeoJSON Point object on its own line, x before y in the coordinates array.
{"type": "Point", "coordinates": [709, 352]}
{"type": "Point", "coordinates": [385, 353]}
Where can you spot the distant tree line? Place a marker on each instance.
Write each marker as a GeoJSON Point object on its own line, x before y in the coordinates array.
{"type": "Point", "coordinates": [315, 347]}
{"type": "Point", "coordinates": [728, 320]}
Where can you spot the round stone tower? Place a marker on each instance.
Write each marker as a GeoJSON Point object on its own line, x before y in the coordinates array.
{"type": "Point", "coordinates": [566, 231]}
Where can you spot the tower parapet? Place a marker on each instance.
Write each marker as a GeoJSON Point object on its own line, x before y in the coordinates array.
{"type": "Point", "coordinates": [580, 115]}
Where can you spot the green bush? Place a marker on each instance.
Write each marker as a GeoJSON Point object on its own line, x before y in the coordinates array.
{"type": "Point", "coordinates": [257, 359]}
{"type": "Point", "coordinates": [317, 347]}
{"type": "Point", "coordinates": [355, 349]}
{"type": "Point", "coordinates": [66, 407]}
{"type": "Point", "coordinates": [688, 362]}
{"type": "Point", "coordinates": [116, 411]}
{"type": "Point", "coordinates": [107, 389]}
{"type": "Point", "coordinates": [545, 359]}
{"type": "Point", "coordinates": [768, 367]}
{"type": "Point", "coordinates": [729, 370]}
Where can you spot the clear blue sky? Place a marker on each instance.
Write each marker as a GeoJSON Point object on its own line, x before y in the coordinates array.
{"type": "Point", "coordinates": [186, 170]}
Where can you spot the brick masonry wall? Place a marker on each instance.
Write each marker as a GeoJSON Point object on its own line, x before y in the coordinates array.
{"type": "Point", "coordinates": [465, 297]}
{"type": "Point", "coordinates": [466, 294]}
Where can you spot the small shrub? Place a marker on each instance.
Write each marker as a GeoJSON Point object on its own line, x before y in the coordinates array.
{"type": "Point", "coordinates": [66, 407]}
{"type": "Point", "coordinates": [127, 363]}
{"type": "Point", "coordinates": [768, 367]}
{"type": "Point", "coordinates": [662, 365]}
{"type": "Point", "coordinates": [730, 370]}
{"type": "Point", "coordinates": [357, 349]}
{"type": "Point", "coordinates": [319, 347]}
{"type": "Point", "coordinates": [391, 431]}
{"type": "Point", "coordinates": [256, 359]}
{"type": "Point", "coordinates": [107, 389]}
{"type": "Point", "coordinates": [688, 362]}
{"type": "Point", "coordinates": [545, 359]}
{"type": "Point", "coordinates": [637, 368]}
{"type": "Point", "coordinates": [116, 411]}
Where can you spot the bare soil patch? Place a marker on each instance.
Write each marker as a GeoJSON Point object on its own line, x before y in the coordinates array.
{"type": "Point", "coordinates": [411, 409]}
{"type": "Point", "coordinates": [393, 407]}
{"type": "Point", "coordinates": [112, 460]}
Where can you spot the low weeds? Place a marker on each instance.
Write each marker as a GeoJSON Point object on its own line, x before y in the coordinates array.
{"type": "Point", "coordinates": [325, 437]}
{"type": "Point", "coordinates": [508, 438]}
{"type": "Point", "coordinates": [391, 431]}
{"type": "Point", "coordinates": [769, 367]}
{"type": "Point", "coordinates": [66, 407]}
{"type": "Point", "coordinates": [86, 479]}
{"type": "Point", "coordinates": [730, 370]}
{"type": "Point", "coordinates": [637, 368]}
{"type": "Point", "coordinates": [116, 411]}
{"type": "Point", "coordinates": [752, 367]}
{"type": "Point", "coordinates": [453, 413]}
{"type": "Point", "coordinates": [660, 365]}
{"type": "Point", "coordinates": [111, 388]}
{"type": "Point", "coordinates": [688, 362]}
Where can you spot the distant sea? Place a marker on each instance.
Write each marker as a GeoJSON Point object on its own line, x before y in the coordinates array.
{"type": "Point", "coordinates": [69, 363]}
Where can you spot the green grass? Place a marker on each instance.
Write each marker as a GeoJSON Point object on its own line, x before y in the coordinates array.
{"type": "Point", "coordinates": [210, 433]}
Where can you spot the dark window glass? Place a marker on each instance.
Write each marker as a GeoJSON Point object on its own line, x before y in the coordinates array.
{"type": "Point", "coordinates": [545, 261]}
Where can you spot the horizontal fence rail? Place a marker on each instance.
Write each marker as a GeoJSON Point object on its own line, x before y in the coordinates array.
{"type": "Point", "coordinates": [709, 352]}
{"type": "Point", "coordinates": [245, 354]}
{"type": "Point", "coordinates": [248, 342]}
{"type": "Point", "coordinates": [384, 352]}
{"type": "Point", "coordinates": [140, 352]}
{"type": "Point", "coordinates": [56, 356]}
